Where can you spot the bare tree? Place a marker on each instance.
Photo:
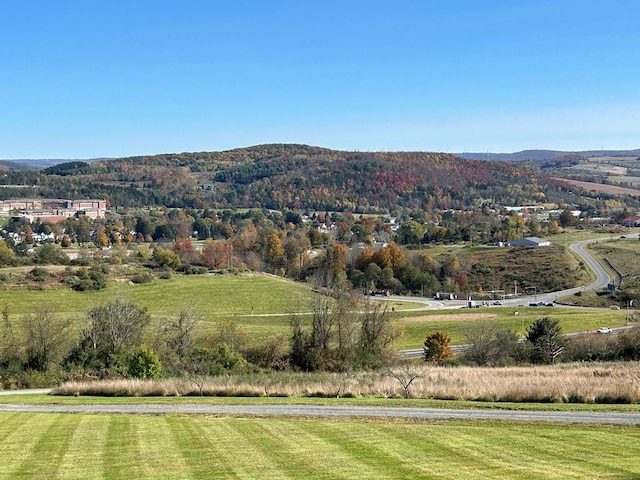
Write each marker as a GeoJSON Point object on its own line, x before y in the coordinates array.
{"type": "Point", "coordinates": [181, 329]}
{"type": "Point", "coordinates": [490, 344]}
{"type": "Point", "coordinates": [406, 373]}
{"type": "Point", "coordinates": [230, 333]}
{"type": "Point", "coordinates": [10, 347]}
{"type": "Point", "coordinates": [115, 326]}
{"type": "Point", "coordinates": [46, 338]}
{"type": "Point", "coordinates": [346, 332]}
{"type": "Point", "coordinates": [321, 325]}
{"type": "Point", "coordinates": [377, 333]}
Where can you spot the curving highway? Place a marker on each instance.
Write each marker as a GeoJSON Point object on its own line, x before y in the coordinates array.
{"type": "Point", "coordinates": [601, 281]}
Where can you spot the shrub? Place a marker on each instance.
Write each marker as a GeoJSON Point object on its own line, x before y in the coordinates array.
{"type": "Point", "coordinates": [437, 347]}
{"type": "Point", "coordinates": [144, 277]}
{"type": "Point", "coordinates": [143, 363]}
{"type": "Point", "coordinates": [85, 280]}
{"type": "Point", "coordinates": [193, 269]}
{"type": "Point", "coordinates": [588, 348]}
{"type": "Point", "coordinates": [38, 274]}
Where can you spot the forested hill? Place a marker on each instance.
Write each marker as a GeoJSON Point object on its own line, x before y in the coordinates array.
{"type": "Point", "coordinates": [279, 176]}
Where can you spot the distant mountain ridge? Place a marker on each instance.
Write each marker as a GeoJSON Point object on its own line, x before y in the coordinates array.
{"type": "Point", "coordinates": [524, 155]}
{"type": "Point", "coordinates": [39, 164]}
{"type": "Point", "coordinates": [545, 154]}
{"type": "Point", "coordinates": [290, 176]}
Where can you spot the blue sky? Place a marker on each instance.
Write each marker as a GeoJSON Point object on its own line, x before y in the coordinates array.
{"type": "Point", "coordinates": [82, 79]}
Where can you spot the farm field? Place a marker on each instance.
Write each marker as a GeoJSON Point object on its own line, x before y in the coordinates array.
{"type": "Point", "coordinates": [262, 305]}
{"type": "Point", "coordinates": [417, 325]}
{"type": "Point", "coordinates": [98, 446]}
{"type": "Point", "coordinates": [571, 234]}
{"type": "Point", "coordinates": [629, 180]}
{"type": "Point", "coordinates": [215, 296]}
{"type": "Point", "coordinates": [601, 187]}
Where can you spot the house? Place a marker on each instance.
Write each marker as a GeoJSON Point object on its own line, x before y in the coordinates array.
{"type": "Point", "coordinates": [530, 242]}
{"type": "Point", "coordinates": [630, 222]}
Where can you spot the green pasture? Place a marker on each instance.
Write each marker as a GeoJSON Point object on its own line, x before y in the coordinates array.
{"type": "Point", "coordinates": [263, 305]}
{"type": "Point", "coordinates": [98, 446]}
{"type": "Point", "coordinates": [573, 234]}
{"type": "Point", "coordinates": [417, 325]}
{"type": "Point", "coordinates": [214, 295]}
{"type": "Point", "coordinates": [260, 304]}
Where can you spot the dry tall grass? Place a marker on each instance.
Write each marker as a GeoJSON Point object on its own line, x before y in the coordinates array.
{"type": "Point", "coordinates": [575, 383]}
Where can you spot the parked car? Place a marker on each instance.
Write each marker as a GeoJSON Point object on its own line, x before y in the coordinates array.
{"type": "Point", "coordinates": [615, 307]}
{"type": "Point", "coordinates": [604, 330]}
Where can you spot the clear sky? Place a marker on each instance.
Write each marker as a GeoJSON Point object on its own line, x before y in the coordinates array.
{"type": "Point", "coordinates": [83, 79]}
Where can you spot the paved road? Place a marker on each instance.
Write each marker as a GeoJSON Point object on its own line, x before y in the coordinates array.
{"type": "Point", "coordinates": [609, 418]}
{"type": "Point", "coordinates": [601, 281]}
{"type": "Point", "coordinates": [38, 391]}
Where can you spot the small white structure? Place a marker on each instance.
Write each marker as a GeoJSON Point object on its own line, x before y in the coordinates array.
{"type": "Point", "coordinates": [530, 242]}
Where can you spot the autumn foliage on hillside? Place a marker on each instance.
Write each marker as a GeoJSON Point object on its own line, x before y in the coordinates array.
{"type": "Point", "coordinates": [293, 177]}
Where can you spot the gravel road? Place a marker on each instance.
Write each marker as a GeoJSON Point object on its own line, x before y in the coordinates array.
{"type": "Point", "coordinates": [610, 418]}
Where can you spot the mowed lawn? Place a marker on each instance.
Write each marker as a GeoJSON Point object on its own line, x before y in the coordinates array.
{"type": "Point", "coordinates": [96, 446]}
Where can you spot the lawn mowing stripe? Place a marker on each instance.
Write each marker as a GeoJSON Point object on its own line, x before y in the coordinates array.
{"type": "Point", "coordinates": [488, 455]}
{"type": "Point", "coordinates": [119, 456]}
{"type": "Point", "coordinates": [212, 447]}
{"type": "Point", "coordinates": [189, 440]}
{"type": "Point", "coordinates": [551, 453]}
{"type": "Point", "coordinates": [368, 450]}
{"type": "Point", "coordinates": [46, 455]}
{"type": "Point", "coordinates": [11, 423]}
{"type": "Point", "coordinates": [255, 457]}
{"type": "Point", "coordinates": [288, 447]}
{"type": "Point", "coordinates": [158, 455]}
{"type": "Point", "coordinates": [420, 444]}
{"type": "Point", "coordinates": [573, 450]}
{"type": "Point", "coordinates": [228, 439]}
{"type": "Point", "coordinates": [87, 443]}
{"type": "Point", "coordinates": [298, 448]}
{"type": "Point", "coordinates": [16, 446]}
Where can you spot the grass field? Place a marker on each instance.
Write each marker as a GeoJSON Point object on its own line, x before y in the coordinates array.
{"type": "Point", "coordinates": [573, 234]}
{"type": "Point", "coordinates": [95, 446]}
{"type": "Point", "coordinates": [215, 295]}
{"type": "Point", "coordinates": [623, 254]}
{"type": "Point", "coordinates": [262, 306]}
{"type": "Point", "coordinates": [417, 325]}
